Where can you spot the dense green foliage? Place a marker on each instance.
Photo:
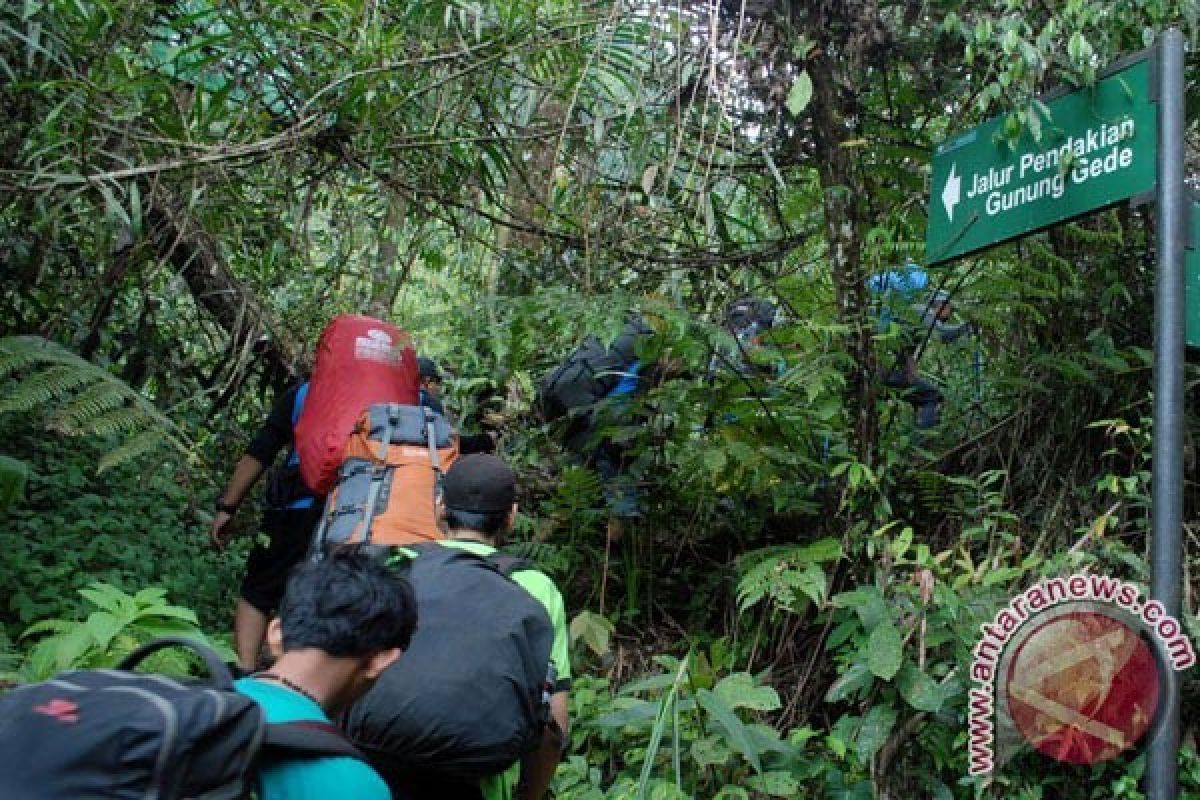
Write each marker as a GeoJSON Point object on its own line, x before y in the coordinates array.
{"type": "Point", "coordinates": [189, 189]}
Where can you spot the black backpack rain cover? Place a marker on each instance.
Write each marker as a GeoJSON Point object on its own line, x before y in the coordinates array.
{"type": "Point", "coordinates": [465, 700]}
{"type": "Point", "coordinates": [122, 735]}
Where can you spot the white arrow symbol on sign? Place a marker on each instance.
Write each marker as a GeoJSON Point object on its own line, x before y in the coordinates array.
{"type": "Point", "coordinates": [952, 193]}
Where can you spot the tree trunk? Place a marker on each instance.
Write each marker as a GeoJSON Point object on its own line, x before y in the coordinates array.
{"type": "Point", "coordinates": [254, 334]}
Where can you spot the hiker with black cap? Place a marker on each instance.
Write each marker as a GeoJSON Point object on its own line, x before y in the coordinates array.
{"type": "Point", "coordinates": [431, 398]}
{"type": "Point", "coordinates": [923, 320]}
{"type": "Point", "coordinates": [445, 720]}
{"type": "Point", "coordinates": [431, 385]}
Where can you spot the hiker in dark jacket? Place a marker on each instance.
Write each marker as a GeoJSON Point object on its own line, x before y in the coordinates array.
{"type": "Point", "coordinates": [585, 435]}
{"type": "Point", "coordinates": [431, 398]}
{"type": "Point", "coordinates": [289, 516]}
{"type": "Point", "coordinates": [925, 320]}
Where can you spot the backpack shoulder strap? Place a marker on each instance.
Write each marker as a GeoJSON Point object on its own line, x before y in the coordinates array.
{"type": "Point", "coordinates": [309, 739]}
{"type": "Point", "coordinates": [506, 565]}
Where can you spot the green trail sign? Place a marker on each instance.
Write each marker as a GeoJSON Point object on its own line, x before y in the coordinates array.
{"type": "Point", "coordinates": [1097, 147]}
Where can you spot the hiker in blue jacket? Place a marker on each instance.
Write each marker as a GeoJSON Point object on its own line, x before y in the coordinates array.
{"type": "Point", "coordinates": [917, 324]}
{"type": "Point", "coordinates": [290, 514]}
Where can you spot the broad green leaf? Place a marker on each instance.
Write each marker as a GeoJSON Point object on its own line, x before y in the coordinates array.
{"type": "Point", "coordinates": [740, 691]}
{"type": "Point", "coordinates": [856, 677]}
{"type": "Point", "coordinates": [735, 729]}
{"type": "Point", "coordinates": [593, 629]}
{"type": "Point", "coordinates": [885, 651]}
{"type": "Point", "coordinates": [710, 751]}
{"type": "Point", "coordinates": [732, 793]}
{"type": "Point", "coordinates": [107, 597]}
{"type": "Point", "coordinates": [634, 712]}
{"type": "Point", "coordinates": [867, 602]}
{"type": "Point", "coordinates": [800, 94]}
{"type": "Point", "coordinates": [652, 683]}
{"type": "Point", "coordinates": [775, 783]}
{"type": "Point", "coordinates": [828, 549]}
{"type": "Point", "coordinates": [873, 732]}
{"type": "Point", "coordinates": [918, 689]}
{"type": "Point", "coordinates": [103, 626]}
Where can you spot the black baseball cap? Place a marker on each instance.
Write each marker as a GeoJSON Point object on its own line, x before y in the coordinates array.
{"type": "Point", "coordinates": [428, 368]}
{"type": "Point", "coordinates": [480, 483]}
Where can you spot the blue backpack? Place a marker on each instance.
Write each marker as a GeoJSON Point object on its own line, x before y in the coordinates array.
{"type": "Point", "coordinates": [896, 288]}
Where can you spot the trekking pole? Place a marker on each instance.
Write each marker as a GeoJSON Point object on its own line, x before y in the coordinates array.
{"type": "Point", "coordinates": [977, 363]}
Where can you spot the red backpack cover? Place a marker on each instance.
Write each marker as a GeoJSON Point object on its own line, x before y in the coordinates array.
{"type": "Point", "coordinates": [360, 361]}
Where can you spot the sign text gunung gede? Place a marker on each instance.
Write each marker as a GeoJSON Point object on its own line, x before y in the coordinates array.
{"type": "Point", "coordinates": [1097, 147]}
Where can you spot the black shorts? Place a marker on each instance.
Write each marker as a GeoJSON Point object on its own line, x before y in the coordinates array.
{"type": "Point", "coordinates": [267, 568]}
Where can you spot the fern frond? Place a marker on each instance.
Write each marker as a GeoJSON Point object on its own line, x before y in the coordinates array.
{"type": "Point", "coordinates": [19, 352]}
{"type": "Point", "coordinates": [92, 400]}
{"type": "Point", "coordinates": [39, 390]}
{"type": "Point", "coordinates": [89, 419]}
{"type": "Point", "coordinates": [137, 446]}
{"type": "Point", "coordinates": [89, 404]}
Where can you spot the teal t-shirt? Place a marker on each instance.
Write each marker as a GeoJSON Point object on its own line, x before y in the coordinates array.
{"type": "Point", "coordinates": [307, 778]}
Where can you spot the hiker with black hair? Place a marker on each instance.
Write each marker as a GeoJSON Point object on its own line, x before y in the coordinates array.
{"type": "Point", "coordinates": [342, 622]}
{"type": "Point", "coordinates": [748, 319]}
{"type": "Point", "coordinates": [290, 514]}
{"type": "Point", "coordinates": [922, 321]}
{"type": "Point", "coordinates": [445, 721]}
{"type": "Point", "coordinates": [120, 733]}
{"type": "Point", "coordinates": [431, 384]}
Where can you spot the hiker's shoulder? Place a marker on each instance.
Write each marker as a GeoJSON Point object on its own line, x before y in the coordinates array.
{"type": "Point", "coordinates": [321, 778]}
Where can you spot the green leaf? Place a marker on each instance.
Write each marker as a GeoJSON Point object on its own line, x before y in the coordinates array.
{"type": "Point", "coordinates": [732, 793]}
{"type": "Point", "coordinates": [856, 677]}
{"type": "Point", "coordinates": [867, 602]}
{"type": "Point", "coordinates": [873, 732]}
{"type": "Point", "coordinates": [918, 689]}
{"type": "Point", "coordinates": [735, 729]}
{"type": "Point", "coordinates": [828, 549]}
{"type": "Point", "coordinates": [14, 475]}
{"type": "Point", "coordinates": [103, 626]}
{"type": "Point", "coordinates": [776, 783]}
{"type": "Point", "coordinates": [711, 751]}
{"type": "Point", "coordinates": [653, 683]}
{"type": "Point", "coordinates": [594, 630]}
{"type": "Point", "coordinates": [885, 651]}
{"type": "Point", "coordinates": [739, 691]}
{"type": "Point", "coordinates": [800, 94]}
{"type": "Point", "coordinates": [105, 596]}
{"type": "Point", "coordinates": [636, 712]}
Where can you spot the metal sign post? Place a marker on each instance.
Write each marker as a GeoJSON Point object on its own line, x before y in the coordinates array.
{"type": "Point", "coordinates": [1162, 758]}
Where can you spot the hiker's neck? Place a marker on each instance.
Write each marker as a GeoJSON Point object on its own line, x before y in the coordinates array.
{"type": "Point", "coordinates": [328, 679]}
{"type": "Point", "coordinates": [467, 535]}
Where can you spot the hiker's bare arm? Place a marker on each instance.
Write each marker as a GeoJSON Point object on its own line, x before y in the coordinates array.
{"type": "Point", "coordinates": [247, 471]}
{"type": "Point", "coordinates": [537, 768]}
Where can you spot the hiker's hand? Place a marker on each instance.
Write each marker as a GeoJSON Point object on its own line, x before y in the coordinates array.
{"type": "Point", "coordinates": [220, 529]}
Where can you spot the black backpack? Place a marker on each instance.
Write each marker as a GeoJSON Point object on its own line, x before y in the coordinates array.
{"type": "Point", "coordinates": [115, 734]}
{"type": "Point", "coordinates": [470, 695]}
{"type": "Point", "coordinates": [589, 373]}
